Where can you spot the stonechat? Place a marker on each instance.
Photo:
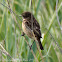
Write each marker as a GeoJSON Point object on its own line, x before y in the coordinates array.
{"type": "Point", "coordinates": [27, 27]}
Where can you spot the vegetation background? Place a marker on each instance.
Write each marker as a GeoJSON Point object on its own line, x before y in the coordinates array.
{"type": "Point", "coordinates": [13, 47]}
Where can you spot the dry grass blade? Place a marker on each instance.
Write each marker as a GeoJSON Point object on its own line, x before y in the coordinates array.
{"type": "Point", "coordinates": [57, 16]}
{"type": "Point", "coordinates": [31, 16]}
{"type": "Point", "coordinates": [4, 51]}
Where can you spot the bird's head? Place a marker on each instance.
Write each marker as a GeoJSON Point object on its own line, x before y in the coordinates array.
{"type": "Point", "coordinates": [27, 15]}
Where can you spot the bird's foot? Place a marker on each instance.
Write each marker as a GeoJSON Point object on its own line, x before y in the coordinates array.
{"type": "Point", "coordinates": [22, 34]}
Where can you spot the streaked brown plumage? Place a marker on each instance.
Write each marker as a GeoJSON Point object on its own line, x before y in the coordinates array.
{"type": "Point", "coordinates": [27, 27]}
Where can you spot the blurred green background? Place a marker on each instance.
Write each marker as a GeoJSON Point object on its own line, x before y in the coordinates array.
{"type": "Point", "coordinates": [10, 35]}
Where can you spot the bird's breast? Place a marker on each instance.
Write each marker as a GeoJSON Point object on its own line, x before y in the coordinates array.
{"type": "Point", "coordinates": [26, 30]}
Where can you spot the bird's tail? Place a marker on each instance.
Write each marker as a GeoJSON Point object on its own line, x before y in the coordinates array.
{"type": "Point", "coordinates": [41, 47]}
{"type": "Point", "coordinates": [40, 44]}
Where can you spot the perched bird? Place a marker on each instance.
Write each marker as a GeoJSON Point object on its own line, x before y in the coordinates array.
{"type": "Point", "coordinates": [27, 27]}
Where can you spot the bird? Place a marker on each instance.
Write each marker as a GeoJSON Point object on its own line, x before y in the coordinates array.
{"type": "Point", "coordinates": [32, 32]}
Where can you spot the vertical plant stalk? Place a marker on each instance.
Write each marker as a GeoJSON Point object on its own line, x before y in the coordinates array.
{"type": "Point", "coordinates": [57, 16]}
{"type": "Point", "coordinates": [31, 16]}
{"type": "Point", "coordinates": [49, 48]}
{"type": "Point", "coordinates": [14, 29]}
{"type": "Point", "coordinates": [38, 48]}
{"type": "Point", "coordinates": [8, 3]}
{"type": "Point", "coordinates": [34, 35]}
{"type": "Point", "coordinates": [57, 54]}
{"type": "Point", "coordinates": [1, 56]}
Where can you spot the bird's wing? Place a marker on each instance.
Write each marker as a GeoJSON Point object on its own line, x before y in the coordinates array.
{"type": "Point", "coordinates": [36, 30]}
{"type": "Point", "coordinates": [28, 25]}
